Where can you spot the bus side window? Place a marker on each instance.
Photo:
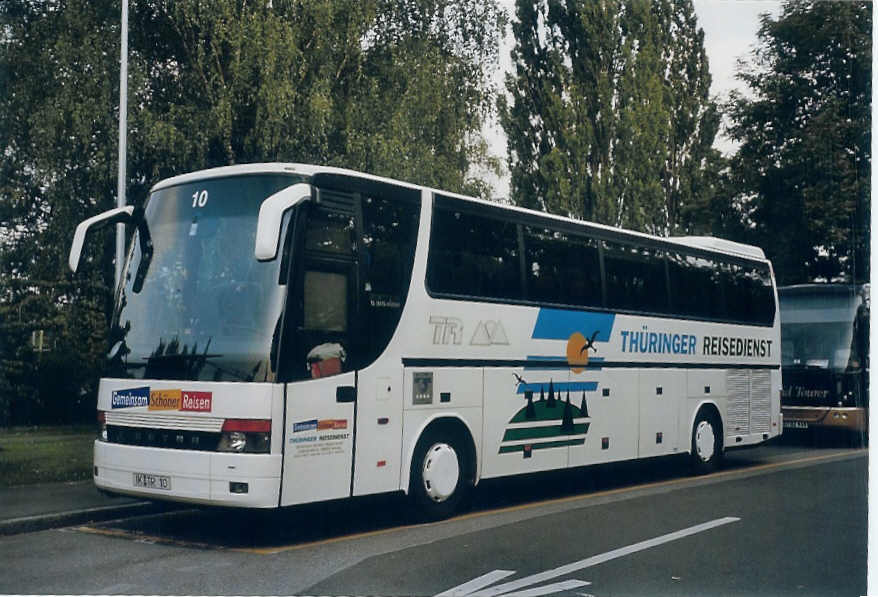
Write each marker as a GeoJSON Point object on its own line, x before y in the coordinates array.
{"type": "Point", "coordinates": [696, 287]}
{"type": "Point", "coordinates": [326, 305]}
{"type": "Point", "coordinates": [472, 255]}
{"type": "Point", "coordinates": [390, 232]}
{"type": "Point", "coordinates": [636, 279]}
{"type": "Point", "coordinates": [749, 297]}
{"type": "Point", "coordinates": [562, 268]}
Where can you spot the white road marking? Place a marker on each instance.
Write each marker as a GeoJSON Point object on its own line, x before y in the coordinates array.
{"type": "Point", "coordinates": [477, 583]}
{"type": "Point", "coordinates": [511, 587]}
{"type": "Point", "coordinates": [549, 589]}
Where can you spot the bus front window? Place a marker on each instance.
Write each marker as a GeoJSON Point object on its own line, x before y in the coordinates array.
{"type": "Point", "coordinates": [817, 331]}
{"type": "Point", "coordinates": [207, 309]}
{"type": "Point", "coordinates": [821, 345]}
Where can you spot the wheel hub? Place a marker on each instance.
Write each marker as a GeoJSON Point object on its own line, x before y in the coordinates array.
{"type": "Point", "coordinates": [441, 472]}
{"type": "Point", "coordinates": [705, 441]}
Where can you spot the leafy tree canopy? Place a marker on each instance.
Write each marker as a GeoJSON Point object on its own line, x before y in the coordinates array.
{"type": "Point", "coordinates": [608, 116]}
{"type": "Point", "coordinates": [802, 173]}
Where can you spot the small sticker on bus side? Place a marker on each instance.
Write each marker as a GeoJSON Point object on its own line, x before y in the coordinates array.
{"type": "Point", "coordinates": [305, 426]}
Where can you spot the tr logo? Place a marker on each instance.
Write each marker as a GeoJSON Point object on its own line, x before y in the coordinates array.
{"type": "Point", "coordinates": [446, 330]}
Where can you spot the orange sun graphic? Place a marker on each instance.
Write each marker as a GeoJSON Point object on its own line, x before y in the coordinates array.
{"type": "Point", "coordinates": [577, 353]}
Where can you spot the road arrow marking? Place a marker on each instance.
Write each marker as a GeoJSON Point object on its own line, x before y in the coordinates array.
{"type": "Point", "coordinates": [549, 589]}
{"type": "Point", "coordinates": [466, 590]}
{"type": "Point", "coordinates": [476, 583]}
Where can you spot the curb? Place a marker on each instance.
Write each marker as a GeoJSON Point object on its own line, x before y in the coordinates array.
{"type": "Point", "coordinates": [42, 522]}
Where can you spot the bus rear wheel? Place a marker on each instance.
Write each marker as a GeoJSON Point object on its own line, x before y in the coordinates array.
{"type": "Point", "coordinates": [440, 475]}
{"type": "Point", "coordinates": [707, 444]}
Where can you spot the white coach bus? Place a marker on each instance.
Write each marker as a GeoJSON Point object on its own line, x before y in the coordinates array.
{"type": "Point", "coordinates": [289, 333]}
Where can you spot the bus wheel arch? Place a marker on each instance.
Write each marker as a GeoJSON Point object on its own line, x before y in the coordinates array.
{"type": "Point", "coordinates": [707, 445]}
{"type": "Point", "coordinates": [442, 470]}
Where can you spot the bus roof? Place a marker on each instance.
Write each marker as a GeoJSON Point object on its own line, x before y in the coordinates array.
{"type": "Point", "coordinates": [708, 243]}
{"type": "Point", "coordinates": [824, 288]}
{"type": "Point", "coordinates": [721, 245]}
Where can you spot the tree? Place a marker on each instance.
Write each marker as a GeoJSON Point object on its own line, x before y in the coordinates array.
{"type": "Point", "coordinates": [58, 63]}
{"type": "Point", "coordinates": [567, 418]}
{"type": "Point", "coordinates": [583, 407]}
{"type": "Point", "coordinates": [802, 172]}
{"type": "Point", "coordinates": [394, 87]}
{"type": "Point", "coordinates": [608, 116]}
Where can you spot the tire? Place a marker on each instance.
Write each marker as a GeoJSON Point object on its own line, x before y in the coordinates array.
{"type": "Point", "coordinates": [707, 444]}
{"type": "Point", "coordinates": [441, 475]}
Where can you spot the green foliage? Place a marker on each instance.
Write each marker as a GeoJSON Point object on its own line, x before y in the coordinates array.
{"type": "Point", "coordinates": [393, 87]}
{"type": "Point", "coordinates": [609, 118]}
{"type": "Point", "coordinates": [802, 174]}
{"type": "Point", "coordinates": [56, 168]}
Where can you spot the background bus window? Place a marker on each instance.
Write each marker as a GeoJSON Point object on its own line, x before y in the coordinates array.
{"type": "Point", "coordinates": [562, 268]}
{"type": "Point", "coordinates": [636, 279]}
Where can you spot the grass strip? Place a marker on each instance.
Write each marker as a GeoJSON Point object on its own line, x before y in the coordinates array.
{"type": "Point", "coordinates": [45, 454]}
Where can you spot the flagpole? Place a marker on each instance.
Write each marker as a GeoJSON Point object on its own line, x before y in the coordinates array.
{"type": "Point", "coordinates": [123, 140]}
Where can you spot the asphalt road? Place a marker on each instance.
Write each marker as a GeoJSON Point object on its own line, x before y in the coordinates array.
{"type": "Point", "coordinates": [778, 520]}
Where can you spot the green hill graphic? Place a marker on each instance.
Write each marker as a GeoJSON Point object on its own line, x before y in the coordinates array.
{"type": "Point", "coordinates": [544, 424]}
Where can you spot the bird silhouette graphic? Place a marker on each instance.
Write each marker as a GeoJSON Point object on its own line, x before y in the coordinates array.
{"type": "Point", "coordinates": [589, 343]}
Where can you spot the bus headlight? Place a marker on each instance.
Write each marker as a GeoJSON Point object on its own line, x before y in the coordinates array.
{"type": "Point", "coordinates": [245, 436]}
{"type": "Point", "coordinates": [235, 441]}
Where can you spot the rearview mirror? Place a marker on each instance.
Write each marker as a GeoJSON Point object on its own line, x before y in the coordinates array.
{"type": "Point", "coordinates": [271, 215]}
{"type": "Point", "coordinates": [111, 216]}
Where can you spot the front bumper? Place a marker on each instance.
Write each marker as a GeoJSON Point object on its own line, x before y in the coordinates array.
{"type": "Point", "coordinates": [806, 417]}
{"type": "Point", "coordinates": [195, 477]}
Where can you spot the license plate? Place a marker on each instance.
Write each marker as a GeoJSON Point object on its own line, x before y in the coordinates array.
{"type": "Point", "coordinates": [152, 481]}
{"type": "Point", "coordinates": [795, 424]}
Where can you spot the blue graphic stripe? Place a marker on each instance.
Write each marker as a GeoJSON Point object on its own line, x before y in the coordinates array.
{"type": "Point", "coordinates": [559, 386]}
{"type": "Point", "coordinates": [536, 363]}
{"type": "Point", "coordinates": [558, 324]}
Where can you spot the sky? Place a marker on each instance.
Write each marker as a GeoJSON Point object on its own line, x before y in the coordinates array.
{"type": "Point", "coordinates": [730, 28]}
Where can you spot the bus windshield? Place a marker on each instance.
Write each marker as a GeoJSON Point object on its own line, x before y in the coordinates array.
{"type": "Point", "coordinates": [207, 309]}
{"type": "Point", "coordinates": [817, 330]}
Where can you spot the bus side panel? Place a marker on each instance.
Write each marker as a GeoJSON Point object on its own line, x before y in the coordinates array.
{"type": "Point", "coordinates": [613, 409]}
{"type": "Point", "coordinates": [515, 442]}
{"type": "Point", "coordinates": [377, 456]}
{"type": "Point", "coordinates": [661, 391]}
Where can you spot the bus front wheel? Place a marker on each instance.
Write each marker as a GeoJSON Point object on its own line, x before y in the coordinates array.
{"type": "Point", "coordinates": [707, 444]}
{"type": "Point", "coordinates": [440, 476]}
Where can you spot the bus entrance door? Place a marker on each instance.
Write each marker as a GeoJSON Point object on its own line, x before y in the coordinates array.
{"type": "Point", "coordinates": [319, 437]}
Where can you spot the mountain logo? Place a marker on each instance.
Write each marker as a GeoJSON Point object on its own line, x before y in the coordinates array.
{"type": "Point", "coordinates": [546, 423]}
{"type": "Point", "coordinates": [489, 333]}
